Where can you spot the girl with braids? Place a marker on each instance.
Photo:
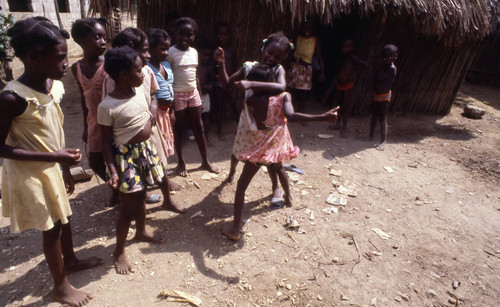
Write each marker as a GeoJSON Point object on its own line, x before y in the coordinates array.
{"type": "Point", "coordinates": [274, 50]}
{"type": "Point", "coordinates": [32, 144]}
{"type": "Point", "coordinates": [89, 73]}
{"type": "Point", "coordinates": [271, 144]}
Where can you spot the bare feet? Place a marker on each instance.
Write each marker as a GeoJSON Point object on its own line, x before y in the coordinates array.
{"type": "Point", "coordinates": [146, 237]}
{"type": "Point", "coordinates": [172, 186]}
{"type": "Point", "coordinates": [209, 167]}
{"type": "Point", "coordinates": [78, 265]}
{"type": "Point", "coordinates": [121, 264]}
{"type": "Point", "coordinates": [231, 233]}
{"type": "Point", "coordinates": [381, 147]}
{"type": "Point", "coordinates": [67, 294]}
{"type": "Point", "coordinates": [288, 200]}
{"type": "Point", "coordinates": [181, 170]}
{"type": "Point", "coordinates": [230, 179]}
{"type": "Point", "coordinates": [174, 207]}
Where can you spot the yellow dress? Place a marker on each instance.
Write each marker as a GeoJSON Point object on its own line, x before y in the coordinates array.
{"type": "Point", "coordinates": [33, 192]}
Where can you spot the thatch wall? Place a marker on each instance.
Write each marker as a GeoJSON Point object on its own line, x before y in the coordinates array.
{"type": "Point", "coordinates": [435, 38]}
{"type": "Point", "coordinates": [486, 66]}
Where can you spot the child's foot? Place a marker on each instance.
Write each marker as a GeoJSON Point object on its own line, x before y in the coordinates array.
{"type": "Point", "coordinates": [121, 264]}
{"type": "Point", "coordinates": [67, 294]}
{"type": "Point", "coordinates": [181, 170]}
{"type": "Point", "coordinates": [288, 201]}
{"type": "Point", "coordinates": [146, 237]}
{"type": "Point", "coordinates": [230, 179]}
{"type": "Point", "coordinates": [209, 167]}
{"type": "Point", "coordinates": [174, 207]}
{"type": "Point", "coordinates": [231, 233]}
{"type": "Point", "coordinates": [172, 186]}
{"type": "Point", "coordinates": [381, 146]}
{"type": "Point", "coordinates": [79, 265]}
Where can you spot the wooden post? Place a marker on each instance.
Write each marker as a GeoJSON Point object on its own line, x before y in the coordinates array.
{"type": "Point", "coordinates": [56, 6]}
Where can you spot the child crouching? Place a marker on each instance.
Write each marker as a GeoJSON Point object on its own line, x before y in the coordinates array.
{"type": "Point", "coordinates": [131, 158]}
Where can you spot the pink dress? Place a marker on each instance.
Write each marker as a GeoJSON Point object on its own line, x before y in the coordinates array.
{"type": "Point", "coordinates": [274, 144]}
{"type": "Point", "coordinates": [92, 93]}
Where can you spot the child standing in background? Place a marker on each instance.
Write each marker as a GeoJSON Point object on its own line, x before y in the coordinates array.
{"type": "Point", "coordinates": [300, 74]}
{"type": "Point", "coordinates": [344, 83]}
{"type": "Point", "coordinates": [32, 145]}
{"type": "Point", "coordinates": [224, 94]}
{"type": "Point", "coordinates": [187, 102]}
{"type": "Point", "coordinates": [271, 144]}
{"type": "Point", "coordinates": [138, 41]}
{"type": "Point", "coordinates": [90, 35]}
{"type": "Point", "coordinates": [206, 70]}
{"type": "Point", "coordinates": [383, 80]}
{"type": "Point", "coordinates": [159, 44]}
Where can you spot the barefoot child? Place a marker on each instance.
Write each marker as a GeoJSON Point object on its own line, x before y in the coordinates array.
{"type": "Point", "coordinates": [187, 102]}
{"type": "Point", "coordinates": [344, 84]}
{"type": "Point", "coordinates": [131, 157]}
{"type": "Point", "coordinates": [159, 43]}
{"type": "Point", "coordinates": [272, 144]}
{"type": "Point", "coordinates": [383, 80]}
{"type": "Point", "coordinates": [32, 144]}
{"type": "Point", "coordinates": [137, 40]}
{"type": "Point", "coordinates": [275, 49]}
{"type": "Point", "coordinates": [89, 73]}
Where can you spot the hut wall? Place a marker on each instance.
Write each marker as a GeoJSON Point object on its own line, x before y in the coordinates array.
{"type": "Point", "coordinates": [429, 73]}
{"type": "Point", "coordinates": [486, 66]}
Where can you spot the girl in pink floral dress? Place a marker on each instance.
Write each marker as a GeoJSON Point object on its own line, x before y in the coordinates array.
{"type": "Point", "coordinates": [271, 144]}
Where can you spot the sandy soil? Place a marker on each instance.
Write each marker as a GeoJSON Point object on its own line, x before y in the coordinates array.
{"type": "Point", "coordinates": [440, 208]}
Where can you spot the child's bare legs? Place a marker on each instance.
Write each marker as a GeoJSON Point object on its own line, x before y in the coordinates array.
{"type": "Point", "coordinates": [97, 164]}
{"type": "Point", "coordinates": [220, 99]}
{"type": "Point", "coordinates": [345, 110]}
{"type": "Point", "coordinates": [179, 130]}
{"type": "Point", "coordinates": [71, 263]}
{"type": "Point", "coordinates": [232, 169]}
{"type": "Point", "coordinates": [280, 171]}
{"type": "Point", "coordinates": [274, 181]}
{"type": "Point", "coordinates": [128, 210]}
{"type": "Point", "coordinates": [197, 126]}
{"type": "Point", "coordinates": [206, 126]}
{"type": "Point", "coordinates": [63, 291]}
{"type": "Point", "coordinates": [384, 106]}
{"type": "Point", "coordinates": [249, 170]}
{"type": "Point", "coordinates": [140, 221]}
{"type": "Point", "coordinates": [169, 203]}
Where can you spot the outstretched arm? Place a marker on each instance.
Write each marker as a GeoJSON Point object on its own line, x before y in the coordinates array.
{"type": "Point", "coordinates": [292, 116]}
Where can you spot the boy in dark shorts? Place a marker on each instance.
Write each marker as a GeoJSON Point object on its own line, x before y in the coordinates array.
{"type": "Point", "coordinates": [344, 84]}
{"type": "Point", "coordinates": [383, 80]}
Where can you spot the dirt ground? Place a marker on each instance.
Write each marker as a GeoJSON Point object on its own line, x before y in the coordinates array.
{"type": "Point", "coordinates": [440, 209]}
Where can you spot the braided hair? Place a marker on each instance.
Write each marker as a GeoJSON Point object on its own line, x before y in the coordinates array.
{"type": "Point", "coordinates": [279, 39]}
{"type": "Point", "coordinates": [35, 34]}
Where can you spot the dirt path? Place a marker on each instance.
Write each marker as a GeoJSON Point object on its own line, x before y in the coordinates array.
{"type": "Point", "coordinates": [440, 208]}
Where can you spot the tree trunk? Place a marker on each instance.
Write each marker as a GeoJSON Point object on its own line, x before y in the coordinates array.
{"type": "Point", "coordinates": [83, 14]}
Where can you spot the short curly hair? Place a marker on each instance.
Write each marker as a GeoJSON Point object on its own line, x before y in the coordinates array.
{"type": "Point", "coordinates": [119, 59]}
{"type": "Point", "coordinates": [186, 21]}
{"type": "Point", "coordinates": [155, 36]}
{"type": "Point", "coordinates": [82, 27]}
{"type": "Point", "coordinates": [132, 37]}
{"type": "Point", "coordinates": [35, 34]}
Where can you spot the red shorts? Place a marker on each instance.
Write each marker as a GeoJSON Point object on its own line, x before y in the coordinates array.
{"type": "Point", "coordinates": [186, 100]}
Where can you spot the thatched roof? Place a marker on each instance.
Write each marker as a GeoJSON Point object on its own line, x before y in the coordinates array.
{"type": "Point", "coordinates": [451, 20]}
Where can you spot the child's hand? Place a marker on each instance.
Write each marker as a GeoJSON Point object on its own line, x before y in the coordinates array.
{"type": "Point", "coordinates": [219, 56]}
{"type": "Point", "coordinates": [68, 181]}
{"type": "Point", "coordinates": [244, 85]}
{"type": "Point", "coordinates": [68, 156]}
{"type": "Point", "coordinates": [113, 181]}
{"type": "Point", "coordinates": [332, 115]}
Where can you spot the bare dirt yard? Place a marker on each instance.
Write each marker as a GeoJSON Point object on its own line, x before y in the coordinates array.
{"type": "Point", "coordinates": [423, 229]}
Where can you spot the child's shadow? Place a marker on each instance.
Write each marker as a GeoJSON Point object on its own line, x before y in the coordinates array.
{"type": "Point", "coordinates": [186, 234]}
